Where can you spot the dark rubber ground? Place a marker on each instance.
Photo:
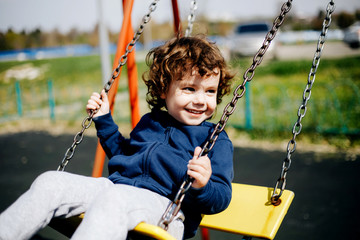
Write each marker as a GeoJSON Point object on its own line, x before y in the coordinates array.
{"type": "Point", "coordinates": [326, 186]}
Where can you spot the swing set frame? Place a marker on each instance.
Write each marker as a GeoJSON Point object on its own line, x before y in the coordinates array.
{"type": "Point", "coordinates": [254, 211]}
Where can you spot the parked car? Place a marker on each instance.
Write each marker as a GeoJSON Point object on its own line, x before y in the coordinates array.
{"type": "Point", "coordinates": [247, 38]}
{"type": "Point", "coordinates": [352, 35]}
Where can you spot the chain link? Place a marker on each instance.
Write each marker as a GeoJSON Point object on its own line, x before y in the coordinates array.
{"type": "Point", "coordinates": [191, 18]}
{"type": "Point", "coordinates": [122, 61]}
{"type": "Point", "coordinates": [291, 147]}
{"type": "Point", "coordinates": [174, 206]}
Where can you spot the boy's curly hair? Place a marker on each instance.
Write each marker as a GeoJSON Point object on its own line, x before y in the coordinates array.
{"type": "Point", "coordinates": [173, 59]}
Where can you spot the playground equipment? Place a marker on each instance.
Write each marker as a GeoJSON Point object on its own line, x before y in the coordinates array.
{"type": "Point", "coordinates": [254, 211]}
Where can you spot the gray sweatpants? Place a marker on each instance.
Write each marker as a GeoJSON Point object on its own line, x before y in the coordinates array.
{"type": "Point", "coordinates": [111, 209]}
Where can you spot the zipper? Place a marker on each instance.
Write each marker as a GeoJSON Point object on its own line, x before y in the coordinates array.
{"type": "Point", "coordinates": [146, 162]}
{"type": "Point", "coordinates": [167, 134]}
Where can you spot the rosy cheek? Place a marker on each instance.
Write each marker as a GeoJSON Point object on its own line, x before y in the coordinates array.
{"type": "Point", "coordinates": [211, 107]}
{"type": "Point", "coordinates": [213, 102]}
{"type": "Point", "coordinates": [186, 98]}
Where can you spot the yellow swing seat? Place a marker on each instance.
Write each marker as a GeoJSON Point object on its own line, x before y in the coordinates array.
{"type": "Point", "coordinates": [250, 213]}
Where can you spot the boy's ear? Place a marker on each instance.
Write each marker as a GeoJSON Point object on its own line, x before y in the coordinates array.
{"type": "Point", "coordinates": [163, 96]}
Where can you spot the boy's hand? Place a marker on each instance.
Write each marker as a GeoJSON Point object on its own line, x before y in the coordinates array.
{"type": "Point", "coordinates": [95, 102]}
{"type": "Point", "coordinates": [199, 168]}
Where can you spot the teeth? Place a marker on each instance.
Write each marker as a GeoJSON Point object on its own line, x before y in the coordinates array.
{"type": "Point", "coordinates": [193, 111]}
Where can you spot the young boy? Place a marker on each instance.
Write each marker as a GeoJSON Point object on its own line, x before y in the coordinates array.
{"type": "Point", "coordinates": [186, 80]}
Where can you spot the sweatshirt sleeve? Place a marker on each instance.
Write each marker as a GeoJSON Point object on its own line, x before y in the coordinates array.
{"type": "Point", "coordinates": [216, 195]}
{"type": "Point", "coordinates": [110, 138]}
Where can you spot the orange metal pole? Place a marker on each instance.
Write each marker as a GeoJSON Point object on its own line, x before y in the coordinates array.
{"type": "Point", "coordinates": [122, 42]}
{"type": "Point", "coordinates": [133, 83]}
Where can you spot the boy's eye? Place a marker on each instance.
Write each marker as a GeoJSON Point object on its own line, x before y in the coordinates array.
{"type": "Point", "coordinates": [211, 91]}
{"type": "Point", "coordinates": [189, 89]}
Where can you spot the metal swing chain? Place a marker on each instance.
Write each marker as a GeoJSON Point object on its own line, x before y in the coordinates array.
{"type": "Point", "coordinates": [122, 61]}
{"type": "Point", "coordinates": [191, 18]}
{"type": "Point", "coordinates": [174, 207]}
{"type": "Point", "coordinates": [281, 182]}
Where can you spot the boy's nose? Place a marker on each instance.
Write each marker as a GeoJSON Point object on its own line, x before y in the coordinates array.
{"type": "Point", "coordinates": [199, 98]}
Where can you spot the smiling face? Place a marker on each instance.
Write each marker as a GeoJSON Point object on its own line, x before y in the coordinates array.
{"type": "Point", "coordinates": [192, 99]}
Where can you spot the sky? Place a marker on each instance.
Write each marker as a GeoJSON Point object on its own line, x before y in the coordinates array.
{"type": "Point", "coordinates": [83, 14]}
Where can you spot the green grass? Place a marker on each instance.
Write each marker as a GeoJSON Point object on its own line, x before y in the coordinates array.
{"type": "Point", "coordinates": [333, 109]}
{"type": "Point", "coordinates": [275, 93]}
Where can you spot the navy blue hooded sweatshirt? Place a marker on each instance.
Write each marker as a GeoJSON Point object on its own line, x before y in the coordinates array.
{"type": "Point", "coordinates": [156, 157]}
